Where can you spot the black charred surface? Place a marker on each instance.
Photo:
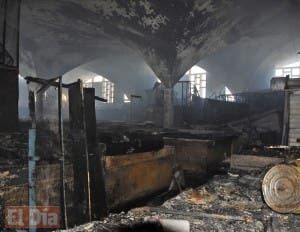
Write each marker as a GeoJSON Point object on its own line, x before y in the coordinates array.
{"type": "Point", "coordinates": [9, 98]}
{"type": "Point", "coordinates": [126, 142]}
{"type": "Point", "coordinates": [170, 35]}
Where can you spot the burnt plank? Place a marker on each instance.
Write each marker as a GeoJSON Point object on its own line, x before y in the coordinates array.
{"type": "Point", "coordinates": [98, 201]}
{"type": "Point", "coordinates": [80, 196]}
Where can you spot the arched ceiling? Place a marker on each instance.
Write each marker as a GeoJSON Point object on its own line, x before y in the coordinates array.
{"type": "Point", "coordinates": [250, 64]}
{"type": "Point", "coordinates": [170, 35]}
{"type": "Point", "coordinates": [130, 73]}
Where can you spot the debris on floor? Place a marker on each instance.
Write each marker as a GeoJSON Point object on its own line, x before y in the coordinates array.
{"type": "Point", "coordinates": [231, 202]}
{"type": "Point", "coordinates": [13, 146]}
{"type": "Point", "coordinates": [251, 162]}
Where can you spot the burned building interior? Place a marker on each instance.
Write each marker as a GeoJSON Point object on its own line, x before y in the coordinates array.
{"type": "Point", "coordinates": [149, 115]}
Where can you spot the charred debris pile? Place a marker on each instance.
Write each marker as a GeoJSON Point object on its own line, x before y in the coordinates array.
{"type": "Point", "coordinates": [231, 202]}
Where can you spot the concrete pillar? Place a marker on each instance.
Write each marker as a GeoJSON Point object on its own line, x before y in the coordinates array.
{"type": "Point", "coordinates": [168, 108]}
{"type": "Point", "coordinates": [9, 97]}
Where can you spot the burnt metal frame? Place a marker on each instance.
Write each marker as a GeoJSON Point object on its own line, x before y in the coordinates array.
{"type": "Point", "coordinates": [186, 95]}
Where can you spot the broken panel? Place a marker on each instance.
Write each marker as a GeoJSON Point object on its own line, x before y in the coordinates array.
{"type": "Point", "coordinates": [49, 152]}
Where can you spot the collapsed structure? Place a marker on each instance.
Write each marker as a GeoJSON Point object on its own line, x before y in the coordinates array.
{"type": "Point", "coordinates": [166, 110]}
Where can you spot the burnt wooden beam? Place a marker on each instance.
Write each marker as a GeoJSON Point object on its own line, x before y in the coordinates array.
{"type": "Point", "coordinates": [100, 99]}
{"type": "Point", "coordinates": [80, 211]}
{"type": "Point", "coordinates": [286, 121]}
{"type": "Point", "coordinates": [135, 96]}
{"type": "Point", "coordinates": [47, 83]}
{"type": "Point", "coordinates": [90, 119]}
{"type": "Point", "coordinates": [62, 160]}
{"type": "Point", "coordinates": [98, 198]}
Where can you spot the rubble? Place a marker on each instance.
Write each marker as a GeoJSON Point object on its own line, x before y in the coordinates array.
{"type": "Point", "coordinates": [124, 141]}
{"type": "Point", "coordinates": [231, 202]}
{"type": "Point", "coordinates": [9, 177]}
{"type": "Point", "coordinates": [251, 162]}
{"type": "Point", "coordinates": [13, 146]}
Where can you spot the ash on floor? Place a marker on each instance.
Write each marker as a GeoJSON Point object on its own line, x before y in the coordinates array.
{"type": "Point", "coordinates": [231, 202]}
